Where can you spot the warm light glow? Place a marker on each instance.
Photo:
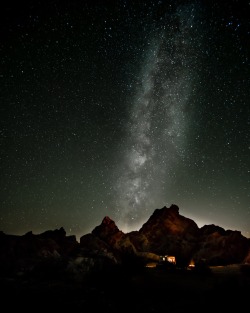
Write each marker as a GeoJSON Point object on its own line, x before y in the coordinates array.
{"type": "Point", "coordinates": [171, 259]}
{"type": "Point", "coordinates": [151, 264]}
{"type": "Point", "coordinates": [191, 264]}
{"type": "Point", "coordinates": [168, 258]}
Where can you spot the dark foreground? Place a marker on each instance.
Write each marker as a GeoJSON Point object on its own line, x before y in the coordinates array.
{"type": "Point", "coordinates": [148, 290]}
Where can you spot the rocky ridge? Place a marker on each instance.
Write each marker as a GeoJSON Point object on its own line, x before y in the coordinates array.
{"type": "Point", "coordinates": [165, 233]}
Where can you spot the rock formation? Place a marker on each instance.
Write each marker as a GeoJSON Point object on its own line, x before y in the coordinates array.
{"type": "Point", "coordinates": [165, 233]}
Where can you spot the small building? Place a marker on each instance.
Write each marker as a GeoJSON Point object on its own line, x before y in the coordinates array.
{"type": "Point", "coordinates": [168, 258]}
{"type": "Point", "coordinates": [171, 259]}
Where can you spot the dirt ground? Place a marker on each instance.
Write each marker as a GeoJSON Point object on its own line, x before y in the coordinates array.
{"type": "Point", "coordinates": [148, 290]}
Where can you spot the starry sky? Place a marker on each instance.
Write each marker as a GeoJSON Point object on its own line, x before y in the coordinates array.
{"type": "Point", "coordinates": [116, 108]}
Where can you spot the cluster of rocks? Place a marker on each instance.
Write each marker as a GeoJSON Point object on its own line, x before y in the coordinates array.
{"type": "Point", "coordinates": [54, 254]}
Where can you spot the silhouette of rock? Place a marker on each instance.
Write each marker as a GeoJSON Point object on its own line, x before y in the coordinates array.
{"type": "Point", "coordinates": [221, 247]}
{"type": "Point", "coordinates": [22, 254]}
{"type": "Point", "coordinates": [108, 232]}
{"type": "Point", "coordinates": [168, 233]}
{"type": "Point", "coordinates": [165, 233]}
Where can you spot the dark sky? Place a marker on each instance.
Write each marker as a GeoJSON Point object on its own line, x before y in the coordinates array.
{"type": "Point", "coordinates": [121, 107]}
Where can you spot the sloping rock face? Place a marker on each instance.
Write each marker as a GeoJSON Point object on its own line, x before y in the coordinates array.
{"type": "Point", "coordinates": [139, 240]}
{"type": "Point", "coordinates": [221, 247]}
{"type": "Point", "coordinates": [109, 232]}
{"type": "Point", "coordinates": [169, 233]}
{"type": "Point", "coordinates": [120, 244]}
{"type": "Point", "coordinates": [93, 246]}
{"type": "Point", "coordinates": [168, 221]}
{"type": "Point", "coordinates": [21, 254]}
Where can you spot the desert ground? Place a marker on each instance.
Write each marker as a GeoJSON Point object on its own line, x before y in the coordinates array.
{"type": "Point", "coordinates": [152, 289]}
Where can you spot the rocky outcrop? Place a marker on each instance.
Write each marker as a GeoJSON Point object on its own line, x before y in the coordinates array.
{"type": "Point", "coordinates": [221, 247]}
{"type": "Point", "coordinates": [168, 233]}
{"type": "Point", "coordinates": [22, 254]}
{"type": "Point", "coordinates": [168, 221]}
{"type": "Point", "coordinates": [92, 246]}
{"type": "Point", "coordinates": [109, 232]}
{"type": "Point", "coordinates": [165, 233]}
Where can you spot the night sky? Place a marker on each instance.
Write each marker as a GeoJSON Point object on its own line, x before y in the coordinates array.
{"type": "Point", "coordinates": [116, 108]}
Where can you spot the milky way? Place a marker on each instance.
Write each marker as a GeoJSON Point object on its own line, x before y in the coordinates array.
{"type": "Point", "coordinates": [116, 108]}
{"type": "Point", "coordinates": [159, 117]}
